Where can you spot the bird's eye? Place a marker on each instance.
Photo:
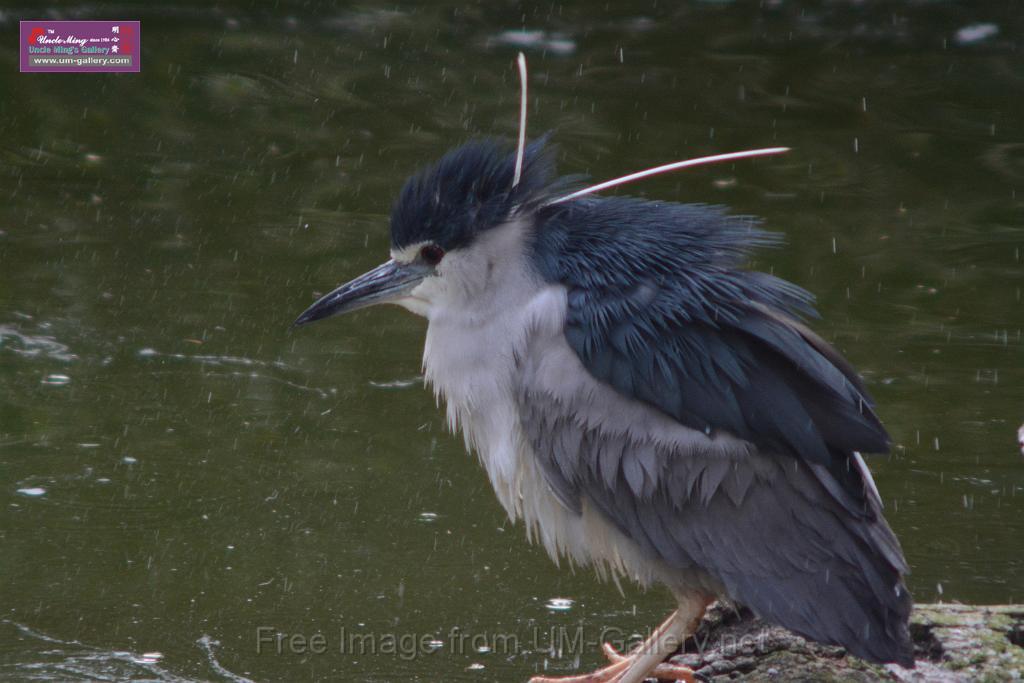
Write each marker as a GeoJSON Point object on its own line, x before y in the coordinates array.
{"type": "Point", "coordinates": [432, 254]}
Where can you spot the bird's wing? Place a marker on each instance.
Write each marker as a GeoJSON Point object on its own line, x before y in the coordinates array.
{"type": "Point", "coordinates": [760, 525]}
{"type": "Point", "coordinates": [664, 313]}
{"type": "Point", "coordinates": [745, 467]}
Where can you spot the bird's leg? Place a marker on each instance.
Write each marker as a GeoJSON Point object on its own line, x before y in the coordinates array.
{"type": "Point", "coordinates": [648, 659]}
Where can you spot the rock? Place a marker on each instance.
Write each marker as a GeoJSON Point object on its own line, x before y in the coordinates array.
{"type": "Point", "coordinates": [952, 643]}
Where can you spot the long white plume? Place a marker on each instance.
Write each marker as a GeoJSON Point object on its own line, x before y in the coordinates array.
{"type": "Point", "coordinates": [675, 166]}
{"type": "Point", "coordinates": [521, 149]}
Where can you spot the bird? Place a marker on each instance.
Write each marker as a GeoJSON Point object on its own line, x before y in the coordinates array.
{"type": "Point", "coordinates": [643, 401]}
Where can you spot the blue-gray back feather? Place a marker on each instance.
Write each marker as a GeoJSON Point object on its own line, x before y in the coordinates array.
{"type": "Point", "coordinates": [661, 309]}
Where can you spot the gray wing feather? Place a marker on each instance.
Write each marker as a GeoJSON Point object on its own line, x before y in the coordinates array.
{"type": "Point", "coordinates": [765, 527]}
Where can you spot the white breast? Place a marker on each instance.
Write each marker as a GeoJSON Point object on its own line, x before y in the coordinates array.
{"type": "Point", "coordinates": [471, 362]}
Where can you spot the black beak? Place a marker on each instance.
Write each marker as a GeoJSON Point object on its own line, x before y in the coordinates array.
{"type": "Point", "coordinates": [386, 283]}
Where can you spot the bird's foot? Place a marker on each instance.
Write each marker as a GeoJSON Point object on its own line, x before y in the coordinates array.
{"type": "Point", "coordinates": [663, 672]}
{"type": "Point", "coordinates": [614, 672]}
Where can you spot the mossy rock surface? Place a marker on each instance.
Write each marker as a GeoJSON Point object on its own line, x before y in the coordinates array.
{"type": "Point", "coordinates": [953, 643]}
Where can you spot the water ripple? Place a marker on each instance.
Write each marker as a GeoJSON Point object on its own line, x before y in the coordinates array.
{"type": "Point", "coordinates": [61, 660]}
{"type": "Point", "coordinates": [33, 346]}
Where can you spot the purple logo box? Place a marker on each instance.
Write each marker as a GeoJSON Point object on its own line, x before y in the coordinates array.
{"type": "Point", "coordinates": [80, 46]}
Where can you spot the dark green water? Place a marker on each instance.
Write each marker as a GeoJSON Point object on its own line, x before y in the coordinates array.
{"type": "Point", "coordinates": [178, 470]}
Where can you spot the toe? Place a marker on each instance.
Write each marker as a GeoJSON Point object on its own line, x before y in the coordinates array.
{"type": "Point", "coordinates": [613, 655]}
{"type": "Point", "coordinates": [673, 672]}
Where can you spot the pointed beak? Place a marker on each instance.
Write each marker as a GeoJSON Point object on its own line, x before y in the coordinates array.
{"type": "Point", "coordinates": [387, 283]}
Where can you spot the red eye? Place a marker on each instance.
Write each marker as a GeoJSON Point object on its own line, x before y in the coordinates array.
{"type": "Point", "coordinates": [432, 254]}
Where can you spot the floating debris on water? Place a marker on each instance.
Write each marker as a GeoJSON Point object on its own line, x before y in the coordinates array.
{"type": "Point", "coordinates": [555, 43]}
{"type": "Point", "coordinates": [56, 380]}
{"type": "Point", "coordinates": [212, 359]}
{"type": "Point", "coordinates": [975, 33]}
{"type": "Point", "coordinates": [559, 604]}
{"type": "Point", "coordinates": [398, 383]}
{"type": "Point", "coordinates": [33, 491]}
{"type": "Point", "coordinates": [148, 658]}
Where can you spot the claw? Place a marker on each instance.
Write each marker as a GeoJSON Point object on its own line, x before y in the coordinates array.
{"type": "Point", "coordinates": [613, 655]}
{"type": "Point", "coordinates": [614, 671]}
{"type": "Point", "coordinates": [609, 674]}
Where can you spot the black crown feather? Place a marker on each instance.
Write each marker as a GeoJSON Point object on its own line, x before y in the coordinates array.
{"type": "Point", "coordinates": [469, 190]}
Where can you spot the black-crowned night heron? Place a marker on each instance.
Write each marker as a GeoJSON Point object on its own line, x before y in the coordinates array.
{"type": "Point", "coordinates": [642, 402]}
